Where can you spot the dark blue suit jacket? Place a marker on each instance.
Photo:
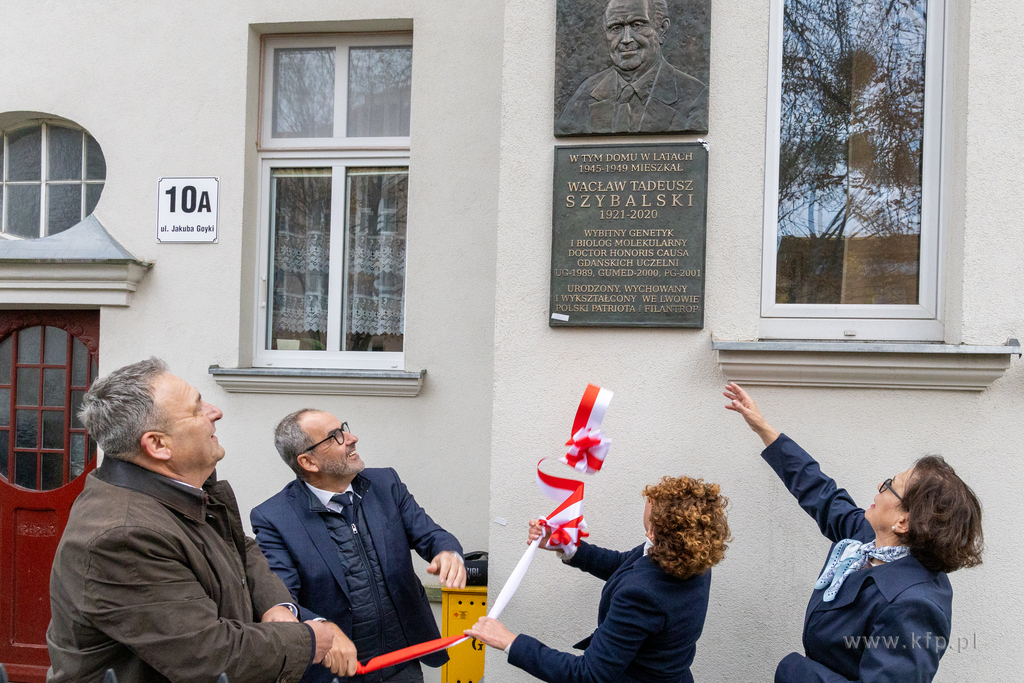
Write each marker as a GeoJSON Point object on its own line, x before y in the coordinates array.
{"type": "Point", "coordinates": [883, 623]}
{"type": "Point", "coordinates": [648, 625]}
{"type": "Point", "coordinates": [300, 550]}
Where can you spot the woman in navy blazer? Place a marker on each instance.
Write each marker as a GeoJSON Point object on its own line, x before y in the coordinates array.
{"type": "Point", "coordinates": [882, 606]}
{"type": "Point", "coordinates": [654, 600]}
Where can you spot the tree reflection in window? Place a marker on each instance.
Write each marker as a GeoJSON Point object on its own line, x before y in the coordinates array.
{"type": "Point", "coordinates": [849, 220]}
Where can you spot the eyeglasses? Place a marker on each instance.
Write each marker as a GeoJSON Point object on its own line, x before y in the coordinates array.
{"type": "Point", "coordinates": [887, 484]}
{"type": "Point", "coordinates": [339, 438]}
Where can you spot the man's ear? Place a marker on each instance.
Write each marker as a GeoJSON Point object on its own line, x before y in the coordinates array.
{"type": "Point", "coordinates": [663, 29]}
{"type": "Point", "coordinates": [156, 445]}
{"type": "Point", "coordinates": [308, 463]}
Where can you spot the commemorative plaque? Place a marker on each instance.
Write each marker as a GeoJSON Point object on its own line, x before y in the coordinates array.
{"type": "Point", "coordinates": [629, 229]}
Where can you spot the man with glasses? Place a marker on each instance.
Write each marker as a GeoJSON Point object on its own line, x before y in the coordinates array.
{"type": "Point", "coordinates": [340, 535]}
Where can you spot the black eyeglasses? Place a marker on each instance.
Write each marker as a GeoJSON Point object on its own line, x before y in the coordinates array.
{"type": "Point", "coordinates": [339, 437]}
{"type": "Point", "coordinates": [887, 484]}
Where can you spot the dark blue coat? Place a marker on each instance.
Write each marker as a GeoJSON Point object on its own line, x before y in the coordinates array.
{"type": "Point", "coordinates": [648, 625]}
{"type": "Point", "coordinates": [883, 623]}
{"type": "Point", "coordinates": [300, 550]}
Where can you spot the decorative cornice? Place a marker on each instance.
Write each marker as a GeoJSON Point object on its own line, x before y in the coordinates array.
{"type": "Point", "coordinates": [318, 382]}
{"type": "Point", "coordinates": [864, 364]}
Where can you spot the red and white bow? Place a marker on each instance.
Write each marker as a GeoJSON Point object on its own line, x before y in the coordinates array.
{"type": "Point", "coordinates": [589, 446]}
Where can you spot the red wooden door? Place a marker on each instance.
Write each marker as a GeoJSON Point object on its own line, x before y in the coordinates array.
{"type": "Point", "coordinates": [47, 361]}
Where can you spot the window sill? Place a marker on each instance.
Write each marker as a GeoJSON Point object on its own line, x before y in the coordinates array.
{"type": "Point", "coordinates": [318, 382]}
{"type": "Point", "coordinates": [864, 364]}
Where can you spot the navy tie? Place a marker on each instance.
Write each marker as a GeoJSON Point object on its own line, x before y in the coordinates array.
{"type": "Point", "coordinates": [348, 510]}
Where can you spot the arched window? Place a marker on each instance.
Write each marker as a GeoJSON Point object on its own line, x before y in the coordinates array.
{"type": "Point", "coordinates": [51, 177]}
{"type": "Point", "coordinates": [44, 374]}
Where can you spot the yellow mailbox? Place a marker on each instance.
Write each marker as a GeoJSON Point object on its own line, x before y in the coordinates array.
{"type": "Point", "coordinates": [460, 609]}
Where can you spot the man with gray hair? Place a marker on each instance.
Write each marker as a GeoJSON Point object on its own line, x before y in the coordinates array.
{"type": "Point", "coordinates": [154, 576]}
{"type": "Point", "coordinates": [340, 535]}
{"type": "Point", "coordinates": [641, 92]}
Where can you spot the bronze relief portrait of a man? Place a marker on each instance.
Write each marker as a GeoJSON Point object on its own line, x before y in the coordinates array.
{"type": "Point", "coordinates": [632, 67]}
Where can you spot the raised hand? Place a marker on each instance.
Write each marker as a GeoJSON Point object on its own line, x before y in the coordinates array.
{"type": "Point", "coordinates": [740, 402]}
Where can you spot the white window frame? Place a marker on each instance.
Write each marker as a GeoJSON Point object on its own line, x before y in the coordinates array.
{"type": "Point", "coordinates": [921, 322]}
{"type": "Point", "coordinates": [339, 153]}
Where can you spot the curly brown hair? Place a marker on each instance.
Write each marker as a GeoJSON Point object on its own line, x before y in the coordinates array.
{"type": "Point", "coordinates": [689, 524]}
{"type": "Point", "coordinates": [944, 517]}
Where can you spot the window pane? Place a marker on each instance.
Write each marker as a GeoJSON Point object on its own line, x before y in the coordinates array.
{"type": "Point", "coordinates": [850, 157]}
{"type": "Point", "coordinates": [53, 387]}
{"type": "Point", "coordinates": [375, 283]}
{"type": "Point", "coordinates": [53, 429]}
{"type": "Point", "coordinates": [30, 344]}
{"type": "Point", "coordinates": [5, 408]}
{"type": "Point", "coordinates": [27, 435]}
{"type": "Point", "coordinates": [5, 360]}
{"type": "Point", "coordinates": [79, 363]}
{"type": "Point", "coordinates": [303, 93]}
{"type": "Point", "coordinates": [56, 346]}
{"type": "Point", "coordinates": [379, 91]}
{"type": "Point", "coordinates": [53, 471]}
{"type": "Point", "coordinates": [301, 205]}
{"type": "Point", "coordinates": [23, 210]}
{"type": "Point", "coordinates": [77, 456]}
{"type": "Point", "coordinates": [95, 164]}
{"type": "Point", "coordinates": [92, 196]}
{"type": "Point", "coordinates": [65, 152]}
{"type": "Point", "coordinates": [64, 207]}
{"type": "Point", "coordinates": [76, 405]}
{"type": "Point", "coordinates": [25, 470]}
{"type": "Point", "coordinates": [28, 386]}
{"type": "Point", "coordinates": [25, 147]}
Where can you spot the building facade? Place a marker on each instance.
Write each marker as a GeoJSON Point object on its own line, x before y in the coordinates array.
{"type": "Point", "coordinates": [383, 209]}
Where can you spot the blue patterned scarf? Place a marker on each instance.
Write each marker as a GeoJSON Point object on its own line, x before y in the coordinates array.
{"type": "Point", "coordinates": [849, 556]}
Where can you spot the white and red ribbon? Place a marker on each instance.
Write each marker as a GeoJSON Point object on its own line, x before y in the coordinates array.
{"type": "Point", "coordinates": [588, 448]}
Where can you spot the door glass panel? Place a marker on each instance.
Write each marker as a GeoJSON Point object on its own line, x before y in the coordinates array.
{"type": "Point", "coordinates": [28, 386]}
{"type": "Point", "coordinates": [29, 344]}
{"type": "Point", "coordinates": [76, 405]}
{"type": "Point", "coordinates": [65, 151]}
{"type": "Point", "coordinates": [77, 456]}
{"type": "Point", "coordinates": [56, 346]}
{"type": "Point", "coordinates": [79, 364]}
{"type": "Point", "coordinates": [27, 435]}
{"type": "Point", "coordinates": [4, 443]}
{"type": "Point", "coordinates": [53, 429]}
{"type": "Point", "coordinates": [379, 91]}
{"type": "Point", "coordinates": [53, 471]}
{"type": "Point", "coordinates": [53, 387]}
{"type": "Point", "coordinates": [375, 255]}
{"type": "Point", "coordinates": [25, 469]}
{"type": "Point", "coordinates": [95, 368]}
{"type": "Point", "coordinates": [5, 360]}
{"type": "Point", "coordinates": [5, 407]}
{"type": "Point", "coordinates": [301, 201]}
{"type": "Point", "coordinates": [64, 207]}
{"type": "Point", "coordinates": [852, 131]}
{"type": "Point", "coordinates": [303, 93]}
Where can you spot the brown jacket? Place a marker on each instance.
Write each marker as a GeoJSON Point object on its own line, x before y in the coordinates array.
{"type": "Point", "coordinates": [159, 582]}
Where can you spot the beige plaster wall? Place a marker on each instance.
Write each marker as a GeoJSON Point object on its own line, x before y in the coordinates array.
{"type": "Point", "coordinates": [668, 417]}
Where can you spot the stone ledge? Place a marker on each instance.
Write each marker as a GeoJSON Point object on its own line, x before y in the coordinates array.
{"type": "Point", "coordinates": [878, 365]}
{"type": "Point", "coordinates": [318, 382]}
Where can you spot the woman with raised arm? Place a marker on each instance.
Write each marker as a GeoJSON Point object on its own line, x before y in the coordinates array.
{"type": "Point", "coordinates": [654, 600]}
{"type": "Point", "coordinates": [880, 610]}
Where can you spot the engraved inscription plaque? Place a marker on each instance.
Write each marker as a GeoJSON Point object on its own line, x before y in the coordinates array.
{"type": "Point", "coordinates": [632, 66]}
{"type": "Point", "coordinates": [629, 228]}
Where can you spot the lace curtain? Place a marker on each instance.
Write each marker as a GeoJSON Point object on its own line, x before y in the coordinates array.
{"type": "Point", "coordinates": [376, 251]}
